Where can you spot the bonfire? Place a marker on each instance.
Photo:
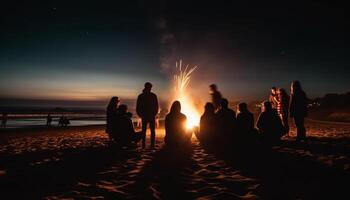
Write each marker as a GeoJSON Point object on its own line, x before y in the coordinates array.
{"type": "Point", "coordinates": [182, 80]}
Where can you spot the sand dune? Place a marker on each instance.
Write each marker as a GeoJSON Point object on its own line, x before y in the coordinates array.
{"type": "Point", "coordinates": [77, 163]}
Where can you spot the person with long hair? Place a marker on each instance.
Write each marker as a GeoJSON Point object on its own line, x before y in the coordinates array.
{"type": "Point", "coordinates": [111, 118]}
{"type": "Point", "coordinates": [207, 124]}
{"type": "Point", "coordinates": [175, 126]}
{"type": "Point", "coordinates": [298, 109]}
{"type": "Point", "coordinates": [283, 108]}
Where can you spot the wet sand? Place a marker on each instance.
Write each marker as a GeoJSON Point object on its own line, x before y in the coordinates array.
{"type": "Point", "coordinates": [78, 163]}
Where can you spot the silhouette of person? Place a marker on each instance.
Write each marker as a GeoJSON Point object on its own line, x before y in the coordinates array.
{"type": "Point", "coordinates": [61, 121]}
{"type": "Point", "coordinates": [226, 119]}
{"type": "Point", "coordinates": [4, 120]}
{"type": "Point", "coordinates": [147, 109]}
{"type": "Point", "coordinates": [298, 109]}
{"type": "Point", "coordinates": [126, 134]}
{"type": "Point", "coordinates": [245, 119]}
{"type": "Point", "coordinates": [269, 124]}
{"type": "Point", "coordinates": [273, 97]}
{"type": "Point", "coordinates": [208, 123]}
{"type": "Point", "coordinates": [111, 118]}
{"type": "Point", "coordinates": [175, 126]}
{"type": "Point", "coordinates": [215, 96]}
{"type": "Point", "coordinates": [48, 120]}
{"type": "Point", "coordinates": [283, 107]}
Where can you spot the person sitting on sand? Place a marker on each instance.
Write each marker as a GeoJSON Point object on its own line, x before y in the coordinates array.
{"type": "Point", "coordinates": [175, 126]}
{"type": "Point", "coordinates": [226, 119]}
{"type": "Point", "coordinates": [269, 124]}
{"type": "Point", "coordinates": [111, 118]}
{"type": "Point", "coordinates": [126, 134]}
{"type": "Point", "coordinates": [245, 121]}
{"type": "Point", "coordinates": [208, 123]}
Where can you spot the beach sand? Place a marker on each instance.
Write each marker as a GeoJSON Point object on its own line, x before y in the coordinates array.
{"type": "Point", "coordinates": [78, 163]}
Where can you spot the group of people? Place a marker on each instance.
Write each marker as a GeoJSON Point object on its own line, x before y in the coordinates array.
{"type": "Point", "coordinates": [218, 121]}
{"type": "Point", "coordinates": [119, 124]}
{"type": "Point", "coordinates": [293, 105]}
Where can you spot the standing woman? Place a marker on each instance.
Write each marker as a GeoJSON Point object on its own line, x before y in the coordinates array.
{"type": "Point", "coordinates": [283, 108]}
{"type": "Point", "coordinates": [111, 118]}
{"type": "Point", "coordinates": [298, 109]}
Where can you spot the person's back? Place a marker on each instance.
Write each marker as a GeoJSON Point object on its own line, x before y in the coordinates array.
{"type": "Point", "coordinates": [269, 123]}
{"type": "Point", "coordinates": [226, 118]}
{"type": "Point", "coordinates": [245, 121]}
{"type": "Point", "coordinates": [298, 104]}
{"type": "Point", "coordinates": [175, 125]}
{"type": "Point", "coordinates": [147, 105]}
{"type": "Point", "coordinates": [208, 123]}
{"type": "Point", "coordinates": [147, 109]}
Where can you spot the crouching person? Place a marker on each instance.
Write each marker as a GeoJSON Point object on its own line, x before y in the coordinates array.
{"type": "Point", "coordinates": [126, 134]}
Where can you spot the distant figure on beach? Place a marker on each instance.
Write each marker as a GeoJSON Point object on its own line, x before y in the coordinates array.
{"type": "Point", "coordinates": [245, 120]}
{"type": "Point", "coordinates": [273, 97]}
{"type": "Point", "coordinates": [208, 123]}
{"type": "Point", "coordinates": [269, 124]}
{"type": "Point", "coordinates": [4, 120]}
{"type": "Point", "coordinates": [111, 118]}
{"type": "Point", "coordinates": [63, 121]}
{"type": "Point", "coordinates": [48, 120]}
{"type": "Point", "coordinates": [147, 109]}
{"type": "Point", "coordinates": [215, 96]}
{"type": "Point", "coordinates": [283, 107]}
{"type": "Point", "coordinates": [298, 109]}
{"type": "Point", "coordinates": [175, 126]}
{"type": "Point", "coordinates": [226, 119]}
{"type": "Point", "coordinates": [126, 134]}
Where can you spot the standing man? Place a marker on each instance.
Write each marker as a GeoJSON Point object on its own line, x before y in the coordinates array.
{"type": "Point", "coordinates": [215, 96]}
{"type": "Point", "coordinates": [147, 109]}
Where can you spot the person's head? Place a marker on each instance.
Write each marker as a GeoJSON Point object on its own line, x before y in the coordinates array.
{"type": "Point", "coordinates": [148, 87]}
{"type": "Point", "coordinates": [224, 103]}
{"type": "Point", "coordinates": [209, 108]}
{"type": "Point", "coordinates": [295, 87]}
{"type": "Point", "coordinates": [113, 103]}
{"type": "Point", "coordinates": [175, 107]}
{"type": "Point", "coordinates": [281, 92]}
{"type": "Point", "coordinates": [123, 109]}
{"type": "Point", "coordinates": [266, 106]}
{"type": "Point", "coordinates": [242, 107]}
{"type": "Point", "coordinates": [213, 88]}
{"type": "Point", "coordinates": [273, 90]}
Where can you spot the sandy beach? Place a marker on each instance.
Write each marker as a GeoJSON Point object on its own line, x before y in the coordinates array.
{"type": "Point", "coordinates": [78, 163]}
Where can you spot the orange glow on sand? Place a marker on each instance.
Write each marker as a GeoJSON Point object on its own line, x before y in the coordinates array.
{"type": "Point", "coordinates": [181, 80]}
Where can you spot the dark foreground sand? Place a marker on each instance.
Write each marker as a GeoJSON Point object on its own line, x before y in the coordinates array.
{"type": "Point", "coordinates": [77, 163]}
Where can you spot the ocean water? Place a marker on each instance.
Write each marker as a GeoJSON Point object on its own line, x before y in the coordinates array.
{"type": "Point", "coordinates": [34, 122]}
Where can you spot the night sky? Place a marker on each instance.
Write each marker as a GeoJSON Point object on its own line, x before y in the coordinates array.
{"type": "Point", "coordinates": [91, 51]}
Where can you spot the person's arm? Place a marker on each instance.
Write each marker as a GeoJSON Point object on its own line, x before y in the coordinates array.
{"type": "Point", "coordinates": [156, 106]}
{"type": "Point", "coordinates": [139, 106]}
{"type": "Point", "coordinates": [259, 122]}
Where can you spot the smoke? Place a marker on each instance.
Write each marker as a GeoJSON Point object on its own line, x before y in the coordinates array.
{"type": "Point", "coordinates": [168, 45]}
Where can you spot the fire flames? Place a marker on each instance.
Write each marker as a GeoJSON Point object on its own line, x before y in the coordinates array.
{"type": "Point", "coordinates": [182, 79]}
